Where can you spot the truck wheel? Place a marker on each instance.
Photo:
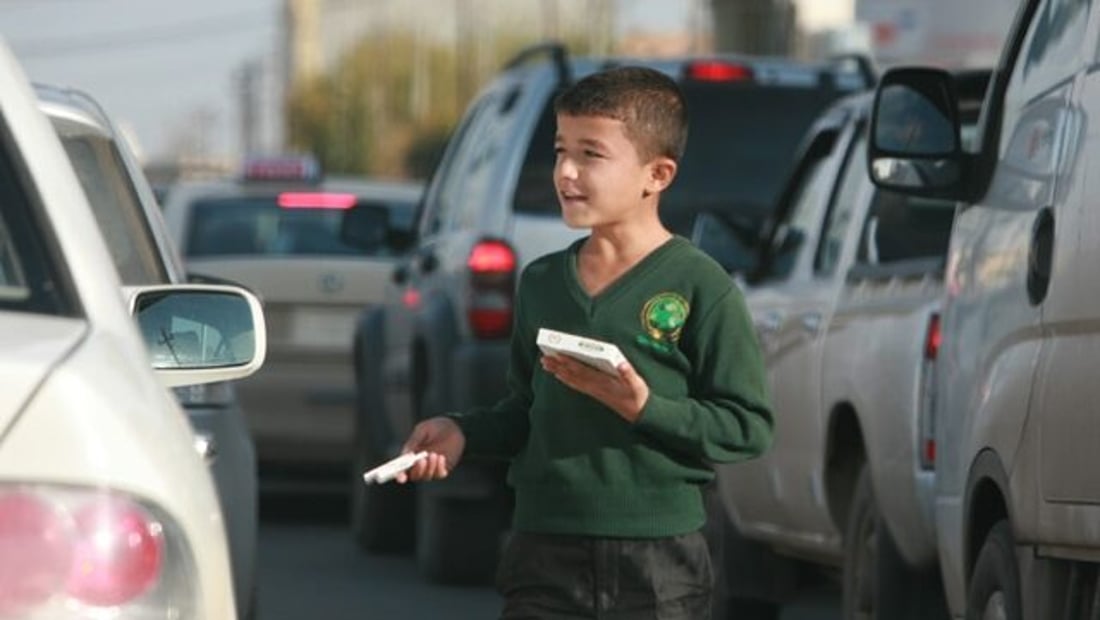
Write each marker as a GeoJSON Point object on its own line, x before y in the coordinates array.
{"type": "Point", "coordinates": [382, 515]}
{"type": "Point", "coordinates": [457, 539]}
{"type": "Point", "coordinates": [860, 552]}
{"type": "Point", "coordinates": [994, 591]}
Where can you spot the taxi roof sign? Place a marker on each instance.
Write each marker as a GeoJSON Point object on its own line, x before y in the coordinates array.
{"type": "Point", "coordinates": [286, 168]}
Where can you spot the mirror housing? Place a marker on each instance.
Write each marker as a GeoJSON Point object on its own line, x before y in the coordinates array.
{"type": "Point", "coordinates": [367, 227]}
{"type": "Point", "coordinates": [916, 145]}
{"type": "Point", "coordinates": [198, 334]}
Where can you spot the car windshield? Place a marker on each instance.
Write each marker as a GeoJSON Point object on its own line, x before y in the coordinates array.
{"type": "Point", "coordinates": [740, 144]}
{"type": "Point", "coordinates": [258, 226]}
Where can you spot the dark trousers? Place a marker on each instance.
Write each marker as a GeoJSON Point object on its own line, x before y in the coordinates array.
{"type": "Point", "coordinates": [552, 577]}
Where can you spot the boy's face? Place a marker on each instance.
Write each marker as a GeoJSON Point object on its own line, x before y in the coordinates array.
{"type": "Point", "coordinates": [599, 175]}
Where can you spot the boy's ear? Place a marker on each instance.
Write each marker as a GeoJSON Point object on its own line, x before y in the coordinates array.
{"type": "Point", "coordinates": [661, 172]}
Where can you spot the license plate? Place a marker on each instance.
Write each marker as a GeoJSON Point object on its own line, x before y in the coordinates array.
{"type": "Point", "coordinates": [322, 329]}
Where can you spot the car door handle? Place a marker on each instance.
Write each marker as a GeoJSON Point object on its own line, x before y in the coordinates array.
{"type": "Point", "coordinates": [1040, 255]}
{"type": "Point", "coordinates": [811, 322]}
{"type": "Point", "coordinates": [400, 274]}
{"type": "Point", "coordinates": [769, 323]}
{"type": "Point", "coordinates": [428, 262]}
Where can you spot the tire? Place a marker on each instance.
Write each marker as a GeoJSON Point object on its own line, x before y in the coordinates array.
{"type": "Point", "coordinates": [878, 584]}
{"type": "Point", "coordinates": [860, 552]}
{"type": "Point", "coordinates": [994, 589]}
{"type": "Point", "coordinates": [382, 516]}
{"type": "Point", "coordinates": [457, 539]}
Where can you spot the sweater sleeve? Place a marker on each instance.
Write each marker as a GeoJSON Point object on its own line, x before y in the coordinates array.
{"type": "Point", "coordinates": [727, 416]}
{"type": "Point", "coordinates": [500, 431]}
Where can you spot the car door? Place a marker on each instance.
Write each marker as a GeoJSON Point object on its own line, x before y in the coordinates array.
{"type": "Point", "coordinates": [795, 367]}
{"type": "Point", "coordinates": [1066, 391]}
{"type": "Point", "coordinates": [756, 491]}
{"type": "Point", "coordinates": [992, 318]}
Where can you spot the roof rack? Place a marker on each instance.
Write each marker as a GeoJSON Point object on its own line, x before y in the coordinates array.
{"type": "Point", "coordinates": [862, 63]}
{"type": "Point", "coordinates": [557, 52]}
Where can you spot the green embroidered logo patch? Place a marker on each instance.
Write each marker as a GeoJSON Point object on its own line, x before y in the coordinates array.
{"type": "Point", "coordinates": [664, 315]}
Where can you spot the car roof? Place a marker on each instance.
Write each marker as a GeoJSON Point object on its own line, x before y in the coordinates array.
{"type": "Point", "coordinates": [848, 73]}
{"type": "Point", "coordinates": [380, 189]}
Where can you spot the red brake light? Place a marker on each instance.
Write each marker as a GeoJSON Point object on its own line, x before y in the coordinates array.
{"type": "Point", "coordinates": [928, 451]}
{"type": "Point", "coordinates": [118, 553]}
{"type": "Point", "coordinates": [932, 338]}
{"type": "Point", "coordinates": [717, 71]}
{"type": "Point", "coordinates": [492, 267]}
{"type": "Point", "coordinates": [316, 200]}
{"type": "Point", "coordinates": [491, 257]}
{"type": "Point", "coordinates": [35, 553]}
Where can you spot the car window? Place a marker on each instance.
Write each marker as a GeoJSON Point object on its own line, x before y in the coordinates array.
{"type": "Point", "coordinates": [117, 209]}
{"type": "Point", "coordinates": [466, 172]}
{"type": "Point", "coordinates": [853, 179]}
{"type": "Point", "coordinates": [29, 280]}
{"type": "Point", "coordinates": [259, 226]}
{"type": "Point", "coordinates": [803, 218]}
{"type": "Point", "coordinates": [736, 160]}
{"type": "Point", "coordinates": [1050, 54]}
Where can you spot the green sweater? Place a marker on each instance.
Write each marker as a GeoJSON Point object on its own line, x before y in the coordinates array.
{"type": "Point", "coordinates": [577, 466]}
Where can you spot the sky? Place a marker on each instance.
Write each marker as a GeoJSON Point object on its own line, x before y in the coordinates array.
{"type": "Point", "coordinates": [164, 70]}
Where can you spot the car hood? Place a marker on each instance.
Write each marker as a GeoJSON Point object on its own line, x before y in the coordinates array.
{"type": "Point", "coordinates": [31, 347]}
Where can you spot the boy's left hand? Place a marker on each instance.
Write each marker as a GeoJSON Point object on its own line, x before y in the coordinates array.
{"type": "Point", "coordinates": [624, 394]}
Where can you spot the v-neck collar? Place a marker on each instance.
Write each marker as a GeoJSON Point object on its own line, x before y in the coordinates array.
{"type": "Point", "coordinates": [609, 292]}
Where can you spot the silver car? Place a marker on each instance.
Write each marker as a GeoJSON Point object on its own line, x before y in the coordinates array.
{"type": "Point", "coordinates": [277, 231]}
{"type": "Point", "coordinates": [130, 220]}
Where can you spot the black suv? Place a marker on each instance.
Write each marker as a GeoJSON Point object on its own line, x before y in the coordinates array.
{"type": "Point", "coordinates": [440, 341]}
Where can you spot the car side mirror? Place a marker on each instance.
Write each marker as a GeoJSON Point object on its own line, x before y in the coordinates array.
{"type": "Point", "coordinates": [367, 227]}
{"type": "Point", "coordinates": [915, 134]}
{"type": "Point", "coordinates": [198, 334]}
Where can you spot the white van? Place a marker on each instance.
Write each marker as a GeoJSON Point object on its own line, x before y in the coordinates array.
{"type": "Point", "coordinates": [106, 509]}
{"type": "Point", "coordinates": [1017, 499]}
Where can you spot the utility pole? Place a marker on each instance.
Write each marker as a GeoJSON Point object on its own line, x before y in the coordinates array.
{"type": "Point", "coordinates": [248, 78]}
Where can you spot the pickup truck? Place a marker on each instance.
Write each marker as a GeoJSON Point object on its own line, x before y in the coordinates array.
{"type": "Point", "coordinates": [846, 301]}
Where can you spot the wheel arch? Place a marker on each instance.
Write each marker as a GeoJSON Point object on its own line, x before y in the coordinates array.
{"type": "Point", "coordinates": [986, 503]}
{"type": "Point", "coordinates": [845, 454]}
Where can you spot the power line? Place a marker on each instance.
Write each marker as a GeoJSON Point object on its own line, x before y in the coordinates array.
{"type": "Point", "coordinates": [100, 42]}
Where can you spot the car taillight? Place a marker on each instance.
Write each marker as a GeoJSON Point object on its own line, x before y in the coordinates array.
{"type": "Point", "coordinates": [35, 552]}
{"type": "Point", "coordinates": [492, 268]}
{"type": "Point", "coordinates": [926, 415]}
{"type": "Point", "coordinates": [932, 338]}
{"type": "Point", "coordinates": [118, 552]}
{"type": "Point", "coordinates": [316, 200]}
{"type": "Point", "coordinates": [76, 553]}
{"type": "Point", "coordinates": [717, 71]}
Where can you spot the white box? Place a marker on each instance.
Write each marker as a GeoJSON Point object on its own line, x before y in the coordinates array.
{"type": "Point", "coordinates": [596, 353]}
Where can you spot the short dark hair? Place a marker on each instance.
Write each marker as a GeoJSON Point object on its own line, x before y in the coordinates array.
{"type": "Point", "coordinates": [648, 102]}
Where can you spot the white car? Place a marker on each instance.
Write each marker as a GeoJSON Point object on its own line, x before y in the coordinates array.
{"type": "Point", "coordinates": [130, 220]}
{"type": "Point", "coordinates": [106, 509]}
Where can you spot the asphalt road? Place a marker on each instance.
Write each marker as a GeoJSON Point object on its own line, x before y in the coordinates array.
{"type": "Point", "coordinates": [308, 567]}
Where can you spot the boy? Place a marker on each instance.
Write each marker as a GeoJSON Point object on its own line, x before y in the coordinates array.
{"type": "Point", "coordinates": [608, 470]}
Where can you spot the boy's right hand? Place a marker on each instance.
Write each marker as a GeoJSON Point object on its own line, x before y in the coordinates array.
{"type": "Point", "coordinates": [444, 442]}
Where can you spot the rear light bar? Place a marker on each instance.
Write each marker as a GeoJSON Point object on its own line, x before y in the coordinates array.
{"type": "Point", "coordinates": [926, 448]}
{"type": "Point", "coordinates": [88, 553]}
{"type": "Point", "coordinates": [316, 200]}
{"type": "Point", "coordinates": [717, 71]}
{"type": "Point", "coordinates": [492, 269]}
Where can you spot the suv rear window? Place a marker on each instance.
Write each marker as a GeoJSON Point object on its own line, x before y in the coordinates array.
{"type": "Point", "coordinates": [258, 226]}
{"type": "Point", "coordinates": [741, 142]}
